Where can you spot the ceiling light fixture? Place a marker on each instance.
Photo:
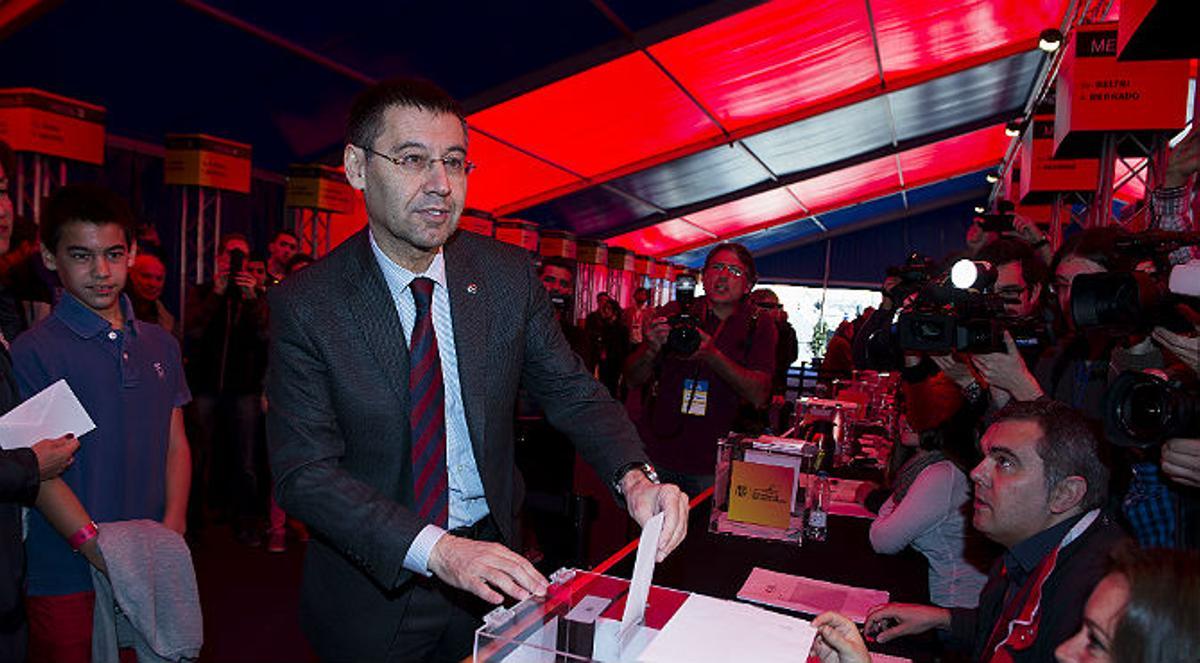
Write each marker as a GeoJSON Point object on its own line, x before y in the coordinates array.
{"type": "Point", "coordinates": [1013, 128]}
{"type": "Point", "coordinates": [992, 178]}
{"type": "Point", "coordinates": [1050, 40]}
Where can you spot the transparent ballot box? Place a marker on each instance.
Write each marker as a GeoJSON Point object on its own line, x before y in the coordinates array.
{"type": "Point", "coordinates": [761, 487]}
{"type": "Point", "coordinates": [579, 619]}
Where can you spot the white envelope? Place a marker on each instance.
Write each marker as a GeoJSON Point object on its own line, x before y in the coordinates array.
{"type": "Point", "coordinates": [52, 412]}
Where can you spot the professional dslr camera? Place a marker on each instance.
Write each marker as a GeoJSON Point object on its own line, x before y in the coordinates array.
{"type": "Point", "coordinates": [1143, 410]}
{"type": "Point", "coordinates": [684, 338]}
{"type": "Point", "coordinates": [1137, 301]}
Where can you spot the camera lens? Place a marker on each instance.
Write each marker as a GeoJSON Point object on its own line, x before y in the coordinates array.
{"type": "Point", "coordinates": [1115, 299]}
{"type": "Point", "coordinates": [1142, 410]}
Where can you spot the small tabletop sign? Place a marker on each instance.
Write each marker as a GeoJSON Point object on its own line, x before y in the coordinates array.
{"type": "Point", "coordinates": [761, 494]}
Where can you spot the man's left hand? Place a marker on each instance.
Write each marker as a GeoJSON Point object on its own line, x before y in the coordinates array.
{"type": "Point", "coordinates": [646, 499]}
{"type": "Point", "coordinates": [1007, 371]}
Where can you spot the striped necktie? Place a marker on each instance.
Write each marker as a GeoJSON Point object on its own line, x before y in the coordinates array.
{"type": "Point", "coordinates": [427, 419]}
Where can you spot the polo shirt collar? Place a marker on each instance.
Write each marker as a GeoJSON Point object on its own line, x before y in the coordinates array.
{"type": "Point", "coordinates": [1029, 553]}
{"type": "Point", "coordinates": [397, 277]}
{"type": "Point", "coordinates": [85, 322]}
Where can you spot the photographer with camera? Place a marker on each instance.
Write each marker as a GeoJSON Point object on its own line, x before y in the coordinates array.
{"type": "Point", "coordinates": [699, 360]}
{"type": "Point", "coordinates": [226, 334]}
{"type": "Point", "coordinates": [1019, 279]}
{"type": "Point", "coordinates": [871, 349]}
{"type": "Point", "coordinates": [1109, 367]}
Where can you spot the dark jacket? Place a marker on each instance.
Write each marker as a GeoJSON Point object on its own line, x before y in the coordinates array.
{"type": "Point", "coordinates": [339, 433]}
{"type": "Point", "coordinates": [225, 363]}
{"type": "Point", "coordinates": [1080, 566]}
{"type": "Point", "coordinates": [19, 482]}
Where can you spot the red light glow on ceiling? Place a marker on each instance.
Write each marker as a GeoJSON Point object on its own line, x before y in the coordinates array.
{"type": "Point", "coordinates": [861, 182]}
{"type": "Point", "coordinates": [917, 36]}
{"type": "Point", "coordinates": [758, 69]}
{"type": "Point", "coordinates": [954, 156]}
{"type": "Point", "coordinates": [661, 238]}
{"type": "Point", "coordinates": [504, 174]}
{"type": "Point", "coordinates": [774, 59]}
{"type": "Point", "coordinates": [601, 121]}
{"type": "Point", "coordinates": [920, 166]}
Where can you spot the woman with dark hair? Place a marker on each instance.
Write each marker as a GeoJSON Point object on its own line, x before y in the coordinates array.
{"type": "Point", "coordinates": [1146, 610]}
{"type": "Point", "coordinates": [928, 509]}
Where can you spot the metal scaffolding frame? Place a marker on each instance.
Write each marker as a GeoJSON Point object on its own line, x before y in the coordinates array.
{"type": "Point", "coordinates": [312, 228]}
{"type": "Point", "coordinates": [37, 175]}
{"type": "Point", "coordinates": [199, 232]}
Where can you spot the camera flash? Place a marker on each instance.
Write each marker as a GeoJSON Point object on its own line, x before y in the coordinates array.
{"type": "Point", "coordinates": [963, 274]}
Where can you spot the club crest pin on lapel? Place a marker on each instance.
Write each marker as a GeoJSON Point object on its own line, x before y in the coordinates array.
{"type": "Point", "coordinates": [472, 288]}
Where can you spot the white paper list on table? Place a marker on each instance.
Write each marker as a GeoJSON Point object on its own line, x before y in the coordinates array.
{"type": "Point", "coordinates": [809, 595]}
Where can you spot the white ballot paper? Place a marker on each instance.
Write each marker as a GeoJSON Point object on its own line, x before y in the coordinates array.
{"type": "Point", "coordinates": [808, 595]}
{"type": "Point", "coordinates": [52, 412]}
{"type": "Point", "coordinates": [643, 572]}
{"type": "Point", "coordinates": [708, 629]}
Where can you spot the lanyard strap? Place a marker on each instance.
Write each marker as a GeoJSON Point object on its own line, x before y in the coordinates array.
{"type": "Point", "coordinates": [1022, 615]}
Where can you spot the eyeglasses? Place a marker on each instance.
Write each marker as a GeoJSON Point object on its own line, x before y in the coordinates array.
{"type": "Point", "coordinates": [419, 164]}
{"type": "Point", "coordinates": [775, 306]}
{"type": "Point", "coordinates": [733, 270]}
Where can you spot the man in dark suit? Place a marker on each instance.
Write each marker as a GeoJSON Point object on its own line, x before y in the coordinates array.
{"type": "Point", "coordinates": [394, 370]}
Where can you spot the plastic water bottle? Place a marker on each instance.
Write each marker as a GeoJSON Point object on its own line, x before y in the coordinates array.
{"type": "Point", "coordinates": [816, 523]}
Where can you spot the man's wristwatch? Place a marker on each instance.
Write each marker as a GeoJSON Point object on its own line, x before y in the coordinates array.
{"type": "Point", "coordinates": [645, 468]}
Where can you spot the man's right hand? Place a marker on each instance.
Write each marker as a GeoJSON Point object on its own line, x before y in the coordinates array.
{"type": "Point", "coordinates": [481, 567]}
{"type": "Point", "coordinates": [656, 332]}
{"type": "Point", "coordinates": [893, 620]}
{"type": "Point", "coordinates": [56, 455]}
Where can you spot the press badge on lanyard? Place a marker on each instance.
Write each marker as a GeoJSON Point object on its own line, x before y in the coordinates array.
{"type": "Point", "coordinates": [695, 397]}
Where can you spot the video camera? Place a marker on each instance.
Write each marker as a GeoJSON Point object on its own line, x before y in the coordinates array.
{"type": "Point", "coordinates": [964, 315]}
{"type": "Point", "coordinates": [916, 271]}
{"type": "Point", "coordinates": [684, 337]}
{"type": "Point", "coordinates": [1137, 301]}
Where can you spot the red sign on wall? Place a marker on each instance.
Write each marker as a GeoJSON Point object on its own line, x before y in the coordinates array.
{"type": "Point", "coordinates": [1096, 94]}
{"type": "Point", "coordinates": [318, 187]}
{"type": "Point", "coordinates": [1042, 175]}
{"type": "Point", "coordinates": [43, 123]}
{"type": "Point", "coordinates": [201, 160]}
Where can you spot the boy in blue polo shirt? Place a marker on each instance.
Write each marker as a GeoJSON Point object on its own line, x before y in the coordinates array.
{"type": "Point", "coordinates": [128, 375]}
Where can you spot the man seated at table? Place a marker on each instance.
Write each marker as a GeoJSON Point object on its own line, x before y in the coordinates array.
{"type": "Point", "coordinates": [1038, 493]}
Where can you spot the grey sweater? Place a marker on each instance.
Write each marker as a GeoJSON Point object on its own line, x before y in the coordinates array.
{"type": "Point", "coordinates": [149, 599]}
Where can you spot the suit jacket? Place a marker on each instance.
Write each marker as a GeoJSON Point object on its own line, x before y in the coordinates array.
{"type": "Point", "coordinates": [1080, 566]}
{"type": "Point", "coordinates": [338, 427]}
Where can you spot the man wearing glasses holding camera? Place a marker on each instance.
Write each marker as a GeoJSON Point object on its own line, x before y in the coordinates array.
{"type": "Point", "coordinates": [395, 366]}
{"type": "Point", "coordinates": [699, 361]}
{"type": "Point", "coordinates": [226, 333]}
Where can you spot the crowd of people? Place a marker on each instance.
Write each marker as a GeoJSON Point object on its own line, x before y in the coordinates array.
{"type": "Point", "coordinates": [1051, 528]}
{"type": "Point", "coordinates": [368, 398]}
